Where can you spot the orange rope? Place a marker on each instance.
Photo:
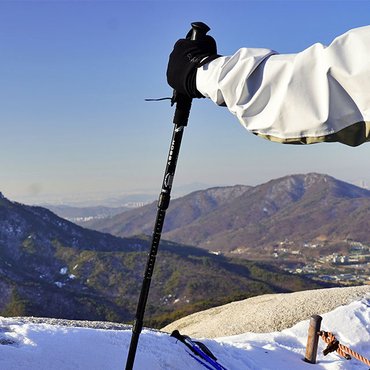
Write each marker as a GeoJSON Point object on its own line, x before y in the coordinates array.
{"type": "Point", "coordinates": [344, 351]}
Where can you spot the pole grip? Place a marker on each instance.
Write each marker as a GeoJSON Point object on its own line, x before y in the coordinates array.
{"type": "Point", "coordinates": [183, 102]}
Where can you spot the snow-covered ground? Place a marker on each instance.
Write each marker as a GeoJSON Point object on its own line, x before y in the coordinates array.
{"type": "Point", "coordinates": [31, 346]}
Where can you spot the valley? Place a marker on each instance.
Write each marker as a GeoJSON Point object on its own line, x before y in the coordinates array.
{"type": "Point", "coordinates": [311, 225]}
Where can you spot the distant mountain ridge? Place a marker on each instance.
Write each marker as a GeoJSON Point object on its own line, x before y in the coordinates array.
{"type": "Point", "coordinates": [53, 268]}
{"type": "Point", "coordinates": [182, 211]}
{"type": "Point", "coordinates": [297, 207]}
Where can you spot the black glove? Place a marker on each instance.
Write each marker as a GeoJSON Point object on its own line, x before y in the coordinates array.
{"type": "Point", "coordinates": [186, 57]}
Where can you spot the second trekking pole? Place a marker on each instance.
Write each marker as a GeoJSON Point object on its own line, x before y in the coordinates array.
{"type": "Point", "coordinates": [182, 111]}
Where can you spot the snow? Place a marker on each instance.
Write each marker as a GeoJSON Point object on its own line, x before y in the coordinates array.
{"type": "Point", "coordinates": [25, 345]}
{"type": "Point", "coordinates": [63, 270]}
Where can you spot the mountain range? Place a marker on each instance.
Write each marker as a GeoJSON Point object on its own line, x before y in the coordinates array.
{"type": "Point", "coordinates": [51, 267]}
{"type": "Point", "coordinates": [298, 208]}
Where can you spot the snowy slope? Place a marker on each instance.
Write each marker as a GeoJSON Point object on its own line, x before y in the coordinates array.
{"type": "Point", "coordinates": [55, 347]}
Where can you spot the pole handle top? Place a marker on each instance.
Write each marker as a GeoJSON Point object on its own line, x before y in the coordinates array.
{"type": "Point", "coordinates": [198, 30]}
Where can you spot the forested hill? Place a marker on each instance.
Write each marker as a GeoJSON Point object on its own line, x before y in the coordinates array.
{"type": "Point", "coordinates": [53, 268]}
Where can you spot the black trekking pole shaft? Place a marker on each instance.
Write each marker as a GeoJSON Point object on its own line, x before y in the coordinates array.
{"type": "Point", "coordinates": [182, 111]}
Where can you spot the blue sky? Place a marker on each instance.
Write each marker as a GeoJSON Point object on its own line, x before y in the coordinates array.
{"type": "Point", "coordinates": [74, 76]}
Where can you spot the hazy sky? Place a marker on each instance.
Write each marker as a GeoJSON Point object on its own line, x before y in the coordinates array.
{"type": "Point", "coordinates": [74, 76]}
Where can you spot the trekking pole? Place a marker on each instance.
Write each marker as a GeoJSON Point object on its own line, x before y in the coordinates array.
{"type": "Point", "coordinates": [182, 111]}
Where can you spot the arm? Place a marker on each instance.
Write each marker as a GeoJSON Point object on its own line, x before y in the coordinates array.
{"type": "Point", "coordinates": [320, 94]}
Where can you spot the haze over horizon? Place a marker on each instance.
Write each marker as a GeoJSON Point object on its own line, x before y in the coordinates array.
{"type": "Point", "coordinates": [74, 123]}
{"type": "Point", "coordinates": [139, 196]}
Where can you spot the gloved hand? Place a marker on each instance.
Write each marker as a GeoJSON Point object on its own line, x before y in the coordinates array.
{"type": "Point", "coordinates": [186, 57]}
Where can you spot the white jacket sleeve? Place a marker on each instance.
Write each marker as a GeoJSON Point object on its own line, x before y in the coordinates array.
{"type": "Point", "coordinates": [320, 94]}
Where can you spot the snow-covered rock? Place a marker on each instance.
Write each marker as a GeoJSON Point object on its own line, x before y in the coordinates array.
{"type": "Point", "coordinates": [265, 313]}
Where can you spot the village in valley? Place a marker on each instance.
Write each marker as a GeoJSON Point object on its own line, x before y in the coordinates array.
{"type": "Point", "coordinates": [346, 262]}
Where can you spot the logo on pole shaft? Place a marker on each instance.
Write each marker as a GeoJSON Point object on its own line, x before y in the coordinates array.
{"type": "Point", "coordinates": [171, 153]}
